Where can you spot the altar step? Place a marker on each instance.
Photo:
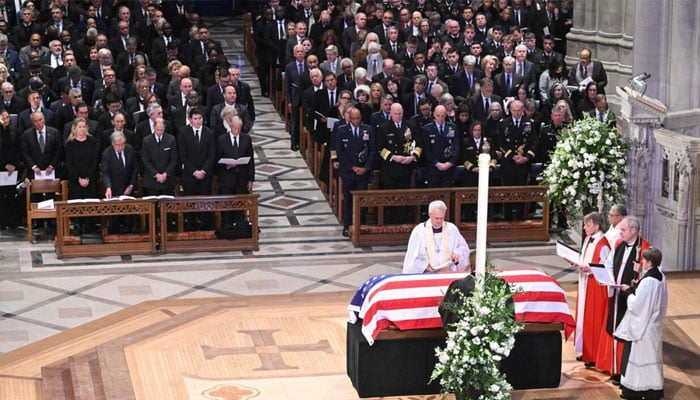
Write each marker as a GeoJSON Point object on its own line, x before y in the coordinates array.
{"type": "Point", "coordinates": [68, 366]}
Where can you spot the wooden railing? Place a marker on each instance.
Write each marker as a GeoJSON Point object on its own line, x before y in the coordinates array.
{"type": "Point", "coordinates": [371, 206]}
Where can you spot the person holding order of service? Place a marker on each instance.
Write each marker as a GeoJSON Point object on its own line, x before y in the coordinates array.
{"type": "Point", "coordinates": [436, 245]}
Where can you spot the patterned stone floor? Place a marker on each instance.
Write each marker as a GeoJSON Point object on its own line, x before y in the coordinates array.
{"type": "Point", "coordinates": [302, 249]}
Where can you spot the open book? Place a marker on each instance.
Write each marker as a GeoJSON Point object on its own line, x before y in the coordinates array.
{"type": "Point", "coordinates": [567, 252]}
{"type": "Point", "coordinates": [235, 161]}
{"type": "Point", "coordinates": [603, 276]}
{"type": "Point", "coordinates": [122, 197]}
{"type": "Point", "coordinates": [159, 197]}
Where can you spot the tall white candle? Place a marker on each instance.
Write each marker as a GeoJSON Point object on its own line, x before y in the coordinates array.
{"type": "Point", "coordinates": [482, 211]}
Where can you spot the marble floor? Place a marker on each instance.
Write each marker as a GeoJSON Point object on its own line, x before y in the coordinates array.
{"type": "Point", "coordinates": [301, 248]}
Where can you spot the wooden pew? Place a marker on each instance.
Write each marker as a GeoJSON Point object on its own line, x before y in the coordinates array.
{"type": "Point", "coordinates": [196, 241]}
{"type": "Point", "coordinates": [381, 233]}
{"type": "Point", "coordinates": [378, 233]}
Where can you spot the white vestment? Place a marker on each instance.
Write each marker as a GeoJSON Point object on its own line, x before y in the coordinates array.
{"type": "Point", "coordinates": [613, 235]}
{"type": "Point", "coordinates": [642, 325]}
{"type": "Point", "coordinates": [417, 256]}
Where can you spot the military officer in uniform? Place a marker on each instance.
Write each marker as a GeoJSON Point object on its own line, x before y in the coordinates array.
{"type": "Point", "coordinates": [399, 145]}
{"type": "Point", "coordinates": [356, 156]}
{"type": "Point", "coordinates": [545, 146]}
{"type": "Point", "coordinates": [517, 139]}
{"type": "Point", "coordinates": [441, 149]}
{"type": "Point", "coordinates": [473, 144]}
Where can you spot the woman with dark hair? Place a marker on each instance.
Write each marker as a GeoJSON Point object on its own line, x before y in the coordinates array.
{"type": "Point", "coordinates": [464, 120]}
{"type": "Point", "coordinates": [393, 88]}
{"type": "Point", "coordinates": [556, 93]}
{"type": "Point", "coordinates": [556, 73]}
{"type": "Point", "coordinates": [424, 37]}
{"type": "Point", "coordinates": [361, 95]}
{"type": "Point", "coordinates": [587, 103]}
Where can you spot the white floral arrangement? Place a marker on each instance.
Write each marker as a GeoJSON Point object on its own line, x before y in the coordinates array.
{"type": "Point", "coordinates": [589, 157]}
{"type": "Point", "coordinates": [483, 336]}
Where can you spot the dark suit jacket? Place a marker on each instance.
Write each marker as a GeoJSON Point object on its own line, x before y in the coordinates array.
{"type": "Point", "coordinates": [236, 178]}
{"type": "Point", "coordinates": [499, 84]}
{"type": "Point", "coordinates": [476, 105]}
{"type": "Point", "coordinates": [87, 86]}
{"type": "Point", "coordinates": [116, 175]}
{"type": "Point", "coordinates": [392, 141]}
{"type": "Point", "coordinates": [293, 82]}
{"type": "Point", "coordinates": [215, 116]}
{"type": "Point", "coordinates": [31, 152]}
{"type": "Point", "coordinates": [158, 158]}
{"type": "Point", "coordinates": [24, 119]}
{"type": "Point", "coordinates": [195, 155]}
{"type": "Point", "coordinates": [434, 144]}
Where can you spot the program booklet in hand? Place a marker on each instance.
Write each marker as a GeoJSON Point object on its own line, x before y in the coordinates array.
{"type": "Point", "coordinates": [603, 276]}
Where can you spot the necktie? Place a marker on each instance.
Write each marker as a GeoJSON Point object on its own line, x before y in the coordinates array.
{"type": "Point", "coordinates": [486, 104]}
{"type": "Point", "coordinates": [517, 124]}
{"type": "Point", "coordinates": [469, 78]}
{"type": "Point", "coordinates": [386, 116]}
{"type": "Point", "coordinates": [281, 30]}
{"type": "Point", "coordinates": [235, 145]}
{"type": "Point", "coordinates": [332, 97]}
{"type": "Point", "coordinates": [602, 116]}
{"type": "Point", "coordinates": [520, 69]}
{"type": "Point", "coordinates": [42, 141]}
{"type": "Point", "coordinates": [121, 158]}
{"type": "Point", "coordinates": [356, 133]}
{"type": "Point", "coordinates": [430, 87]}
{"type": "Point", "coordinates": [517, 16]}
{"type": "Point", "coordinates": [440, 130]}
{"type": "Point", "coordinates": [507, 84]}
{"type": "Point", "coordinates": [196, 135]}
{"type": "Point", "coordinates": [585, 72]}
{"type": "Point", "coordinates": [393, 47]}
{"type": "Point", "coordinates": [398, 126]}
{"type": "Point", "coordinates": [300, 66]}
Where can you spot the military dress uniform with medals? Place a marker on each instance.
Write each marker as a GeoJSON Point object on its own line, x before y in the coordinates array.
{"type": "Point", "coordinates": [403, 140]}
{"type": "Point", "coordinates": [354, 147]}
{"type": "Point", "coordinates": [512, 139]}
{"type": "Point", "coordinates": [441, 145]}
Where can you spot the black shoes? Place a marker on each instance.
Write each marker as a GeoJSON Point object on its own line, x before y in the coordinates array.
{"type": "Point", "coordinates": [295, 147]}
{"type": "Point", "coordinates": [589, 364]}
{"type": "Point", "coordinates": [346, 233]}
{"type": "Point", "coordinates": [615, 379]}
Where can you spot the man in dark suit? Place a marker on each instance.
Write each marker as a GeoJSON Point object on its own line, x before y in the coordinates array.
{"type": "Point", "coordinates": [196, 144]}
{"type": "Point", "coordinates": [506, 83]}
{"type": "Point", "coordinates": [10, 101]}
{"type": "Point", "coordinates": [24, 29]}
{"type": "Point", "coordinates": [440, 149]}
{"type": "Point", "coordinates": [180, 118]}
{"type": "Point", "coordinates": [8, 12]}
{"type": "Point", "coordinates": [119, 126]}
{"type": "Point", "coordinates": [524, 68]}
{"type": "Point", "coordinates": [24, 119]}
{"type": "Point", "coordinates": [275, 40]}
{"type": "Point", "coordinates": [233, 178]}
{"type": "Point", "coordinates": [588, 68]}
{"type": "Point", "coordinates": [215, 93]}
{"type": "Point", "coordinates": [76, 79]}
{"type": "Point", "coordinates": [479, 103]}
{"type": "Point", "coordinates": [66, 113]}
{"type": "Point", "coordinates": [41, 147]}
{"type": "Point", "coordinates": [119, 168]}
{"type": "Point", "coordinates": [159, 53]}
{"type": "Point", "coordinates": [383, 115]}
{"type": "Point", "coordinates": [243, 93]}
{"type": "Point", "coordinates": [410, 100]}
{"type": "Point", "coordinates": [356, 157]}
{"type": "Point", "coordinates": [517, 140]}
{"type": "Point", "coordinates": [292, 75]}
{"type": "Point", "coordinates": [160, 158]}
{"type": "Point", "coordinates": [349, 36]}
{"type": "Point", "coordinates": [230, 99]}
{"type": "Point", "coordinates": [463, 82]}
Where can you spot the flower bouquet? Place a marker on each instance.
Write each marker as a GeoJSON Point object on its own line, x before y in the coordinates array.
{"type": "Point", "coordinates": [588, 163]}
{"type": "Point", "coordinates": [476, 344]}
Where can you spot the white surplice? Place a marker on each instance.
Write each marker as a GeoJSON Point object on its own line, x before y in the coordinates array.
{"type": "Point", "coordinates": [417, 258]}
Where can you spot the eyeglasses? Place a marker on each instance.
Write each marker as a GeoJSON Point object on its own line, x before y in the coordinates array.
{"type": "Point", "coordinates": [345, 98]}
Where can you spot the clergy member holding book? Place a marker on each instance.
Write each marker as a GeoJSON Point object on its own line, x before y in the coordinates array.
{"type": "Point", "coordinates": [436, 245]}
{"type": "Point", "coordinates": [592, 297]}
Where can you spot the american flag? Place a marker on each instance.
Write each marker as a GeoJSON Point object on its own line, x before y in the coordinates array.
{"type": "Point", "coordinates": [410, 301]}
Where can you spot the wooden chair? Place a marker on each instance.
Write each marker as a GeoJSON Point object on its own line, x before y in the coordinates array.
{"type": "Point", "coordinates": [43, 186]}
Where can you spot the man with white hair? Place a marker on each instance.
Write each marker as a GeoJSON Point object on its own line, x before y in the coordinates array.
{"type": "Point", "coordinates": [436, 245]}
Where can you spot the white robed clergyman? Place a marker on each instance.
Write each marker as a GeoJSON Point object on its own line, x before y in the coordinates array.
{"type": "Point", "coordinates": [436, 245]}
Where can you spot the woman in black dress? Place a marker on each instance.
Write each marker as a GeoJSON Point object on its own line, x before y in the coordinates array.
{"type": "Point", "coordinates": [82, 152]}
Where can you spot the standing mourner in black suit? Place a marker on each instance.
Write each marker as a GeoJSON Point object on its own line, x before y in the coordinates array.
{"type": "Point", "coordinates": [235, 179]}
{"type": "Point", "coordinates": [197, 152]}
{"type": "Point", "coordinates": [292, 73]}
{"type": "Point", "coordinates": [10, 215]}
{"type": "Point", "coordinates": [354, 147]}
{"type": "Point", "coordinates": [120, 168]}
{"type": "Point", "coordinates": [197, 148]}
{"type": "Point", "coordinates": [41, 147]}
{"type": "Point", "coordinates": [441, 149]}
{"type": "Point", "coordinates": [517, 139]}
{"type": "Point", "coordinates": [160, 158]}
